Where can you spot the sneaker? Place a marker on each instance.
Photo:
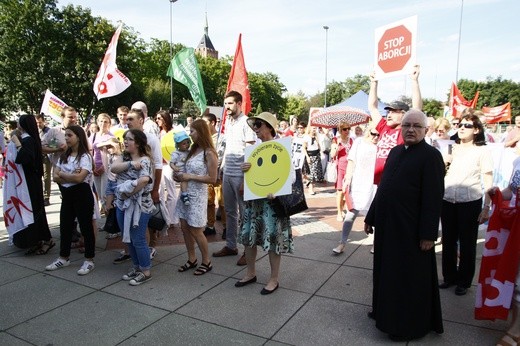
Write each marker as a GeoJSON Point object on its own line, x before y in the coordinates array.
{"type": "Point", "coordinates": [209, 231]}
{"type": "Point", "coordinates": [123, 257]}
{"type": "Point", "coordinates": [132, 273]}
{"type": "Point", "coordinates": [86, 268]}
{"type": "Point", "coordinates": [139, 279]}
{"type": "Point", "coordinates": [58, 264]}
{"type": "Point", "coordinates": [46, 202]}
{"type": "Point", "coordinates": [112, 235]}
{"type": "Point", "coordinates": [225, 251]}
{"type": "Point", "coordinates": [153, 253]}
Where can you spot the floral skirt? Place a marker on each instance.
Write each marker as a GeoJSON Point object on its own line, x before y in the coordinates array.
{"type": "Point", "coordinates": [264, 227]}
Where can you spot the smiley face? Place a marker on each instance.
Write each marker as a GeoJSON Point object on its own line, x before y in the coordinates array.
{"type": "Point", "coordinates": [270, 165]}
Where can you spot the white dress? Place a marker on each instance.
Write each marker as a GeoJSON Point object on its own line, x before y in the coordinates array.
{"type": "Point", "coordinates": [195, 214]}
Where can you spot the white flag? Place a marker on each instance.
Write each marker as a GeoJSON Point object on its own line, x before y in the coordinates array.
{"type": "Point", "coordinates": [52, 106]}
{"type": "Point", "coordinates": [109, 80]}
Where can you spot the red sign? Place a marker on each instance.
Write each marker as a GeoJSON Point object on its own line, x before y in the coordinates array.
{"type": "Point", "coordinates": [497, 114]}
{"type": "Point", "coordinates": [394, 49]}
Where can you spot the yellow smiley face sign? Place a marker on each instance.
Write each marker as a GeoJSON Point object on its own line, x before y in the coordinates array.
{"type": "Point", "coordinates": [269, 172]}
{"type": "Point", "coordinates": [119, 134]}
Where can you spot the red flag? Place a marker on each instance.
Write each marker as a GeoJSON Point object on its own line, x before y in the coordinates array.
{"type": "Point", "coordinates": [109, 80]}
{"type": "Point", "coordinates": [499, 264]}
{"type": "Point", "coordinates": [458, 103]}
{"type": "Point", "coordinates": [498, 114]}
{"type": "Point", "coordinates": [238, 81]}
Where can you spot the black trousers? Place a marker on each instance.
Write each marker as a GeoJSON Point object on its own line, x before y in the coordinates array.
{"type": "Point", "coordinates": [459, 229]}
{"type": "Point", "coordinates": [77, 202]}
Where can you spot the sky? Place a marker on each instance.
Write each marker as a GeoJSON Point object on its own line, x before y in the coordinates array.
{"type": "Point", "coordinates": [287, 38]}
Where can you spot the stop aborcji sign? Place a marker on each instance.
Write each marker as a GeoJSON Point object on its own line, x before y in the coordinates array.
{"type": "Point", "coordinates": [395, 48]}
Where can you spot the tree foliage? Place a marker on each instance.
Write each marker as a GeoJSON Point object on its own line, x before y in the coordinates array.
{"type": "Point", "coordinates": [493, 92]}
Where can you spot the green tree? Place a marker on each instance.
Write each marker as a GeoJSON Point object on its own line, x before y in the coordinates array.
{"type": "Point", "coordinates": [214, 74]}
{"type": "Point", "coordinates": [432, 107]}
{"type": "Point", "coordinates": [336, 92]}
{"type": "Point", "coordinates": [357, 83]}
{"type": "Point", "coordinates": [493, 92]}
{"type": "Point", "coordinates": [266, 89]}
{"type": "Point", "coordinates": [295, 105]}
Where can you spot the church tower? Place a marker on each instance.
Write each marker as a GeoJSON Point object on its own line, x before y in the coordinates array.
{"type": "Point", "coordinates": [205, 47]}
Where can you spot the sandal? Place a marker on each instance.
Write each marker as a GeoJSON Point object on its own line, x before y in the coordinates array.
{"type": "Point", "coordinates": [509, 340]}
{"type": "Point", "coordinates": [203, 269]}
{"type": "Point", "coordinates": [45, 247]}
{"type": "Point", "coordinates": [34, 249]}
{"type": "Point", "coordinates": [188, 265]}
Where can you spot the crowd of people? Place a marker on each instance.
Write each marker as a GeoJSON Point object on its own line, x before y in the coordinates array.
{"type": "Point", "coordinates": [435, 172]}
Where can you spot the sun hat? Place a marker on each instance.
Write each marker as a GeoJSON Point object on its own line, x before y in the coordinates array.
{"type": "Point", "coordinates": [265, 116]}
{"type": "Point", "coordinates": [397, 105]}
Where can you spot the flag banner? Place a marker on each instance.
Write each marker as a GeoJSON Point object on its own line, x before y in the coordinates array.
{"type": "Point", "coordinates": [458, 103]}
{"type": "Point", "coordinates": [396, 48]}
{"type": "Point", "coordinates": [238, 82]}
{"type": "Point", "coordinates": [109, 80]}
{"type": "Point", "coordinates": [184, 69]}
{"type": "Point", "coordinates": [52, 106]}
{"type": "Point", "coordinates": [499, 264]}
{"type": "Point", "coordinates": [498, 114]}
{"type": "Point", "coordinates": [18, 212]}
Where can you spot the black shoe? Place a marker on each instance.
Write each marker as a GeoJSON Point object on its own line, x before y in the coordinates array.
{"type": "Point", "coordinates": [265, 291]}
{"type": "Point", "coordinates": [224, 234]}
{"type": "Point", "coordinates": [209, 231]}
{"type": "Point", "coordinates": [460, 291]}
{"type": "Point", "coordinates": [371, 315]}
{"type": "Point", "coordinates": [445, 285]}
{"type": "Point", "coordinates": [121, 259]}
{"type": "Point", "coordinates": [46, 202]}
{"type": "Point", "coordinates": [245, 283]}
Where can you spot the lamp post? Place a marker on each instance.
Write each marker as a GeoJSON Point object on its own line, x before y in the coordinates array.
{"type": "Point", "coordinates": [326, 43]}
{"type": "Point", "coordinates": [171, 50]}
{"type": "Point", "coordinates": [458, 46]}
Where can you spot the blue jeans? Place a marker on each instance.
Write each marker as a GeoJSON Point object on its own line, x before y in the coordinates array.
{"type": "Point", "coordinates": [138, 248]}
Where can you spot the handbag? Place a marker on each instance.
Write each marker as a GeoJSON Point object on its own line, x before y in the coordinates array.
{"type": "Point", "coordinates": [295, 202]}
{"type": "Point", "coordinates": [111, 225]}
{"type": "Point", "coordinates": [331, 171]}
{"type": "Point", "coordinates": [156, 220]}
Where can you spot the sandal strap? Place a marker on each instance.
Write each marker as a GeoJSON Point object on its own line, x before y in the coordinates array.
{"type": "Point", "coordinates": [203, 269]}
{"type": "Point", "coordinates": [188, 265]}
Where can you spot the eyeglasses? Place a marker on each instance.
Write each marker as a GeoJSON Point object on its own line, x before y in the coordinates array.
{"type": "Point", "coordinates": [258, 124]}
{"type": "Point", "coordinates": [374, 134]}
{"type": "Point", "coordinates": [455, 124]}
{"type": "Point", "coordinates": [345, 129]}
{"type": "Point", "coordinates": [412, 126]}
{"type": "Point", "coordinates": [467, 126]}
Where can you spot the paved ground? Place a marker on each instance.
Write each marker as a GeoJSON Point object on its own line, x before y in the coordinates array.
{"type": "Point", "coordinates": [323, 299]}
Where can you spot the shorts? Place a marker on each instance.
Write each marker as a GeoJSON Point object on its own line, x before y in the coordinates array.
{"type": "Point", "coordinates": [111, 187]}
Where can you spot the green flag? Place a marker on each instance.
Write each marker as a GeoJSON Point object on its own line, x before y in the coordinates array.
{"type": "Point", "coordinates": [184, 69]}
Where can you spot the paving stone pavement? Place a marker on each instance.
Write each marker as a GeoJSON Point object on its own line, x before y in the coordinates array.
{"type": "Point", "coordinates": [323, 298]}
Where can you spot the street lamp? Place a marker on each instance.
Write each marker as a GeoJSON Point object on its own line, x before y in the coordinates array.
{"type": "Point", "coordinates": [171, 50]}
{"type": "Point", "coordinates": [326, 41]}
{"type": "Point", "coordinates": [458, 46]}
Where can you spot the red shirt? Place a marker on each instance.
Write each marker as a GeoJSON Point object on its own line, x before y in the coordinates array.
{"type": "Point", "coordinates": [388, 138]}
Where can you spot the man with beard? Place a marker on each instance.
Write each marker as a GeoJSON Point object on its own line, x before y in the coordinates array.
{"type": "Point", "coordinates": [389, 129]}
{"type": "Point", "coordinates": [406, 211]}
{"type": "Point", "coordinates": [238, 136]}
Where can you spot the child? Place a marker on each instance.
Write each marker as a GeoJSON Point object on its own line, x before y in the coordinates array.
{"type": "Point", "coordinates": [113, 148]}
{"type": "Point", "coordinates": [178, 161]}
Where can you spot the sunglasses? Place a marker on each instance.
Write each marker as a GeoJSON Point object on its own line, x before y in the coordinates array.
{"type": "Point", "coordinates": [467, 126]}
{"type": "Point", "coordinates": [258, 124]}
{"type": "Point", "coordinates": [374, 134]}
{"type": "Point", "coordinates": [345, 129]}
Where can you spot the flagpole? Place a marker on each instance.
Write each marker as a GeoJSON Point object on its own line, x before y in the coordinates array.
{"type": "Point", "coordinates": [458, 48]}
{"type": "Point", "coordinates": [171, 50]}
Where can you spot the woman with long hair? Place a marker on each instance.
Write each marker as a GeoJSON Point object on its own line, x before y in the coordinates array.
{"type": "Point", "coordinates": [37, 236]}
{"type": "Point", "coordinates": [72, 173]}
{"type": "Point", "coordinates": [339, 152]}
{"type": "Point", "coordinates": [163, 119]}
{"type": "Point", "coordinates": [201, 169]}
{"type": "Point", "coordinates": [134, 202]}
{"type": "Point", "coordinates": [471, 168]}
{"type": "Point", "coordinates": [100, 156]}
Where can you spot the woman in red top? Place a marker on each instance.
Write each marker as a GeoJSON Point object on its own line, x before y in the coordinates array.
{"type": "Point", "coordinates": [339, 152]}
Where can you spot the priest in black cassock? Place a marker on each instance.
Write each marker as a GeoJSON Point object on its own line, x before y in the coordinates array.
{"type": "Point", "coordinates": [406, 211]}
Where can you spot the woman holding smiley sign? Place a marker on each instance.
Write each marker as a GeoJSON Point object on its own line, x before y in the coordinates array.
{"type": "Point", "coordinates": [262, 224]}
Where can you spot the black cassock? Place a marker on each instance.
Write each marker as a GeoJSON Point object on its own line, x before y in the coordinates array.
{"type": "Point", "coordinates": [406, 209]}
